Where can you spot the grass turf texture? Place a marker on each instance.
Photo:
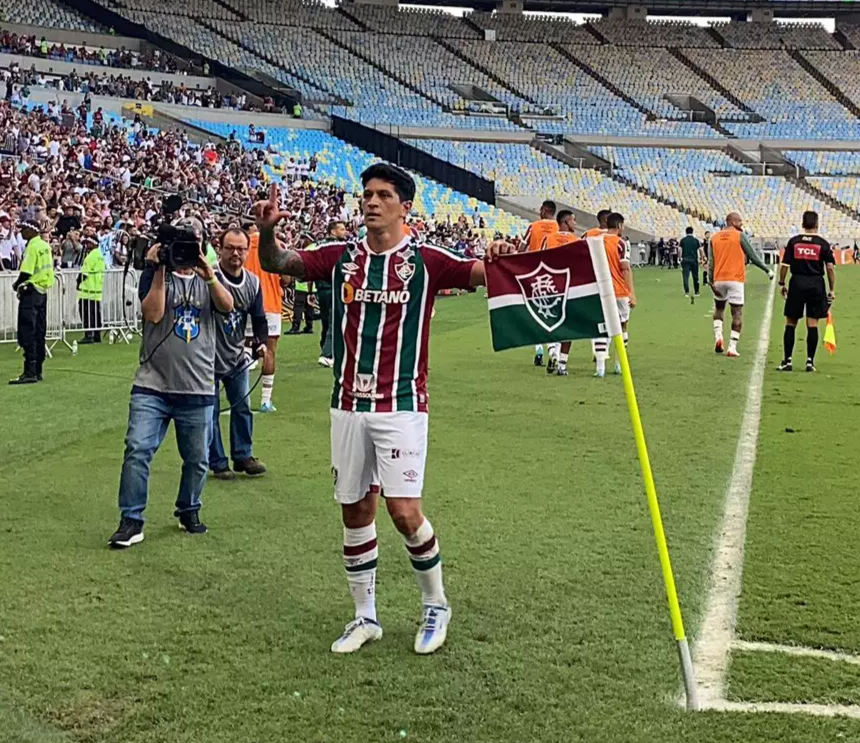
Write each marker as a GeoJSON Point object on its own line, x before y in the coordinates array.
{"type": "Point", "coordinates": [802, 568]}
{"type": "Point", "coordinates": [560, 628]}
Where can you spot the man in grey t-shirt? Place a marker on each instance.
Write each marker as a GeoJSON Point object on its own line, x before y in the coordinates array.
{"type": "Point", "coordinates": [175, 382]}
{"type": "Point", "coordinates": [231, 362]}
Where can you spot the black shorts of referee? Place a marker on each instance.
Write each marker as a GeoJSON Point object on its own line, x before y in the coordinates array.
{"type": "Point", "coordinates": [807, 297]}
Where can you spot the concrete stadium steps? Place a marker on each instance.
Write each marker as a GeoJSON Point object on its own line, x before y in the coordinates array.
{"type": "Point", "coordinates": [713, 82]}
{"type": "Point", "coordinates": [828, 84]}
{"type": "Point", "coordinates": [818, 193]}
{"type": "Point", "coordinates": [483, 68]}
{"type": "Point", "coordinates": [611, 87]}
{"type": "Point", "coordinates": [352, 49]}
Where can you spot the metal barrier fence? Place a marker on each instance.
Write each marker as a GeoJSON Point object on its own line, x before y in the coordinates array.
{"type": "Point", "coordinates": [120, 307]}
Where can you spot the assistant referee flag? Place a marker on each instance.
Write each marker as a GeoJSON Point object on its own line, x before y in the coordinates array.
{"type": "Point", "coordinates": [543, 297]}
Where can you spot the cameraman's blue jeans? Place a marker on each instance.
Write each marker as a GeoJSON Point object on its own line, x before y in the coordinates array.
{"type": "Point", "coordinates": [241, 420]}
{"type": "Point", "coordinates": [148, 418]}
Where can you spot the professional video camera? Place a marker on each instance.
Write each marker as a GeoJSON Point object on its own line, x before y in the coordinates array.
{"type": "Point", "coordinates": [179, 246]}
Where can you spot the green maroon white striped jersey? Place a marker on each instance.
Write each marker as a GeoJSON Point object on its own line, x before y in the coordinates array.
{"type": "Point", "coordinates": [381, 307]}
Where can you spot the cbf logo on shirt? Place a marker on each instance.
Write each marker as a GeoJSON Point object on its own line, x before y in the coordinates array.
{"type": "Point", "coordinates": [186, 322]}
{"type": "Point", "coordinates": [234, 323]}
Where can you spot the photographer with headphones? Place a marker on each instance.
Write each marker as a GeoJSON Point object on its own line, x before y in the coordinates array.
{"type": "Point", "coordinates": [231, 361]}
{"type": "Point", "coordinates": [176, 377]}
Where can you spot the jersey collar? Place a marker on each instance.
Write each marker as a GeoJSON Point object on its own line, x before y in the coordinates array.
{"type": "Point", "coordinates": [402, 244]}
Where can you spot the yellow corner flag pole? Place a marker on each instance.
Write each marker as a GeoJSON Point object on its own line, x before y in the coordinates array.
{"type": "Point", "coordinates": [613, 326]}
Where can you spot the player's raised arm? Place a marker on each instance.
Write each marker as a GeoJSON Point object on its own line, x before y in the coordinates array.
{"type": "Point", "coordinates": [274, 259]}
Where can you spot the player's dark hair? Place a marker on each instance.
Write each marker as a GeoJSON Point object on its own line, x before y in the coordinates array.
{"type": "Point", "coordinates": [233, 231]}
{"type": "Point", "coordinates": [810, 220]}
{"type": "Point", "coordinates": [334, 223]}
{"type": "Point", "coordinates": [614, 221]}
{"type": "Point", "coordinates": [403, 183]}
{"type": "Point", "coordinates": [562, 215]}
{"type": "Point", "coordinates": [549, 206]}
{"type": "Point", "coordinates": [603, 214]}
{"type": "Point", "coordinates": [689, 230]}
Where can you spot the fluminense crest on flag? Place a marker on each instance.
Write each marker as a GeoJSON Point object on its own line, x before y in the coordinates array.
{"type": "Point", "coordinates": [544, 297]}
{"type": "Point", "coordinates": [545, 292]}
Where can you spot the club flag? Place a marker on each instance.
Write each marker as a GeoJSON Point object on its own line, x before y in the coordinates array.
{"type": "Point", "coordinates": [830, 334]}
{"type": "Point", "coordinates": [545, 296]}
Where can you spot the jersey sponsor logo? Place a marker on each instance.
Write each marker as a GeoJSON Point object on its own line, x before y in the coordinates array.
{"type": "Point", "coordinates": [350, 294]}
{"type": "Point", "coordinates": [405, 271]}
{"type": "Point", "coordinates": [807, 253]}
{"type": "Point", "coordinates": [545, 292]}
{"type": "Point", "coordinates": [365, 387]}
{"type": "Point", "coordinates": [186, 322]}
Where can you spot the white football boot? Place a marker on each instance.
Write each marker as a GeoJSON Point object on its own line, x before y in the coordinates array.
{"type": "Point", "coordinates": [433, 630]}
{"type": "Point", "coordinates": [355, 634]}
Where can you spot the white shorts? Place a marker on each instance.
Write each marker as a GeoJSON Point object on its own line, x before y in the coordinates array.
{"type": "Point", "coordinates": [273, 320]}
{"type": "Point", "coordinates": [370, 451]}
{"type": "Point", "coordinates": [730, 291]}
{"type": "Point", "coordinates": [623, 308]}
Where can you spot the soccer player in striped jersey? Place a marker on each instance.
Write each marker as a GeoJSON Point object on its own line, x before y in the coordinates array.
{"type": "Point", "coordinates": [535, 236]}
{"type": "Point", "coordinates": [618, 255]}
{"type": "Point", "coordinates": [602, 216]}
{"type": "Point", "coordinates": [383, 292]}
{"type": "Point", "coordinates": [558, 352]}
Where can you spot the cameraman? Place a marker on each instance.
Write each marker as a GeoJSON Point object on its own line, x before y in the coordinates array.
{"type": "Point", "coordinates": [175, 381]}
{"type": "Point", "coordinates": [231, 363]}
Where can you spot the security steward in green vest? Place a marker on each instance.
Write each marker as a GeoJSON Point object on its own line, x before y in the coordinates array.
{"type": "Point", "coordinates": [301, 306]}
{"type": "Point", "coordinates": [91, 282]}
{"type": "Point", "coordinates": [32, 285]}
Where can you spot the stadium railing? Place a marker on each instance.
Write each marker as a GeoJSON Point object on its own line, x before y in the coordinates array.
{"type": "Point", "coordinates": [120, 311]}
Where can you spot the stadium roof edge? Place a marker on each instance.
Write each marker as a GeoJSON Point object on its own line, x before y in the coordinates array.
{"type": "Point", "coordinates": [789, 8]}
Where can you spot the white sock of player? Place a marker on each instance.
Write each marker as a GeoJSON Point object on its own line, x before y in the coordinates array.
{"type": "Point", "coordinates": [360, 554]}
{"type": "Point", "coordinates": [733, 340]}
{"type": "Point", "coordinates": [423, 548]}
{"type": "Point", "coordinates": [562, 359]}
{"type": "Point", "coordinates": [626, 336]}
{"type": "Point", "coordinates": [539, 350]}
{"type": "Point", "coordinates": [552, 350]}
{"type": "Point", "coordinates": [268, 383]}
{"type": "Point", "coordinates": [600, 346]}
{"type": "Point", "coordinates": [718, 330]}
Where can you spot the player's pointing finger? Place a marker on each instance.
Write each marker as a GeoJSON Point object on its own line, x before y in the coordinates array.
{"type": "Point", "coordinates": [273, 195]}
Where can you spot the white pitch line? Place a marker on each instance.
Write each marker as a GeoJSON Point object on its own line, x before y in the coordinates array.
{"type": "Point", "coordinates": [797, 650]}
{"type": "Point", "coordinates": [795, 708]}
{"type": "Point", "coordinates": [711, 650]}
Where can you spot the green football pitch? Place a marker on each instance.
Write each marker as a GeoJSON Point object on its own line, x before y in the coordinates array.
{"type": "Point", "coordinates": [560, 629]}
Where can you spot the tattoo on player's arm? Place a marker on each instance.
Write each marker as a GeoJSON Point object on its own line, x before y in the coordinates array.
{"type": "Point", "coordinates": [275, 260]}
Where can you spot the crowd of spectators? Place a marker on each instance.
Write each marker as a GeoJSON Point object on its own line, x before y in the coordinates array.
{"type": "Point", "coordinates": [106, 181]}
{"type": "Point", "coordinates": [120, 86]}
{"type": "Point", "coordinates": [153, 60]}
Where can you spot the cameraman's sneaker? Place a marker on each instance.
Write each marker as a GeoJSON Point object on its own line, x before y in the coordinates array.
{"type": "Point", "coordinates": [251, 466]}
{"type": "Point", "coordinates": [128, 533]}
{"type": "Point", "coordinates": [325, 362]}
{"type": "Point", "coordinates": [267, 407]}
{"type": "Point", "coordinates": [191, 523]}
{"type": "Point", "coordinates": [355, 634]}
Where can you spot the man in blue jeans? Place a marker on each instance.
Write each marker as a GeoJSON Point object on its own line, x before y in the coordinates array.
{"type": "Point", "coordinates": [175, 382]}
{"type": "Point", "coordinates": [231, 363]}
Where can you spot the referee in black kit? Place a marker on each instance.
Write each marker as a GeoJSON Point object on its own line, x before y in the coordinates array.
{"type": "Point", "coordinates": [808, 255]}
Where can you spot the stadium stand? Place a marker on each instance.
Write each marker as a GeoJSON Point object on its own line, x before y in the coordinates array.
{"type": "Point", "coordinates": [651, 33]}
{"type": "Point", "coordinates": [533, 29]}
{"type": "Point", "coordinates": [827, 163]}
{"type": "Point", "coordinates": [190, 8]}
{"type": "Point", "coordinates": [341, 164]}
{"type": "Point", "coordinates": [778, 88]}
{"type": "Point", "coordinates": [749, 35]}
{"type": "Point", "coordinates": [48, 14]}
{"type": "Point", "coordinates": [405, 21]}
{"type": "Point", "coordinates": [304, 13]}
